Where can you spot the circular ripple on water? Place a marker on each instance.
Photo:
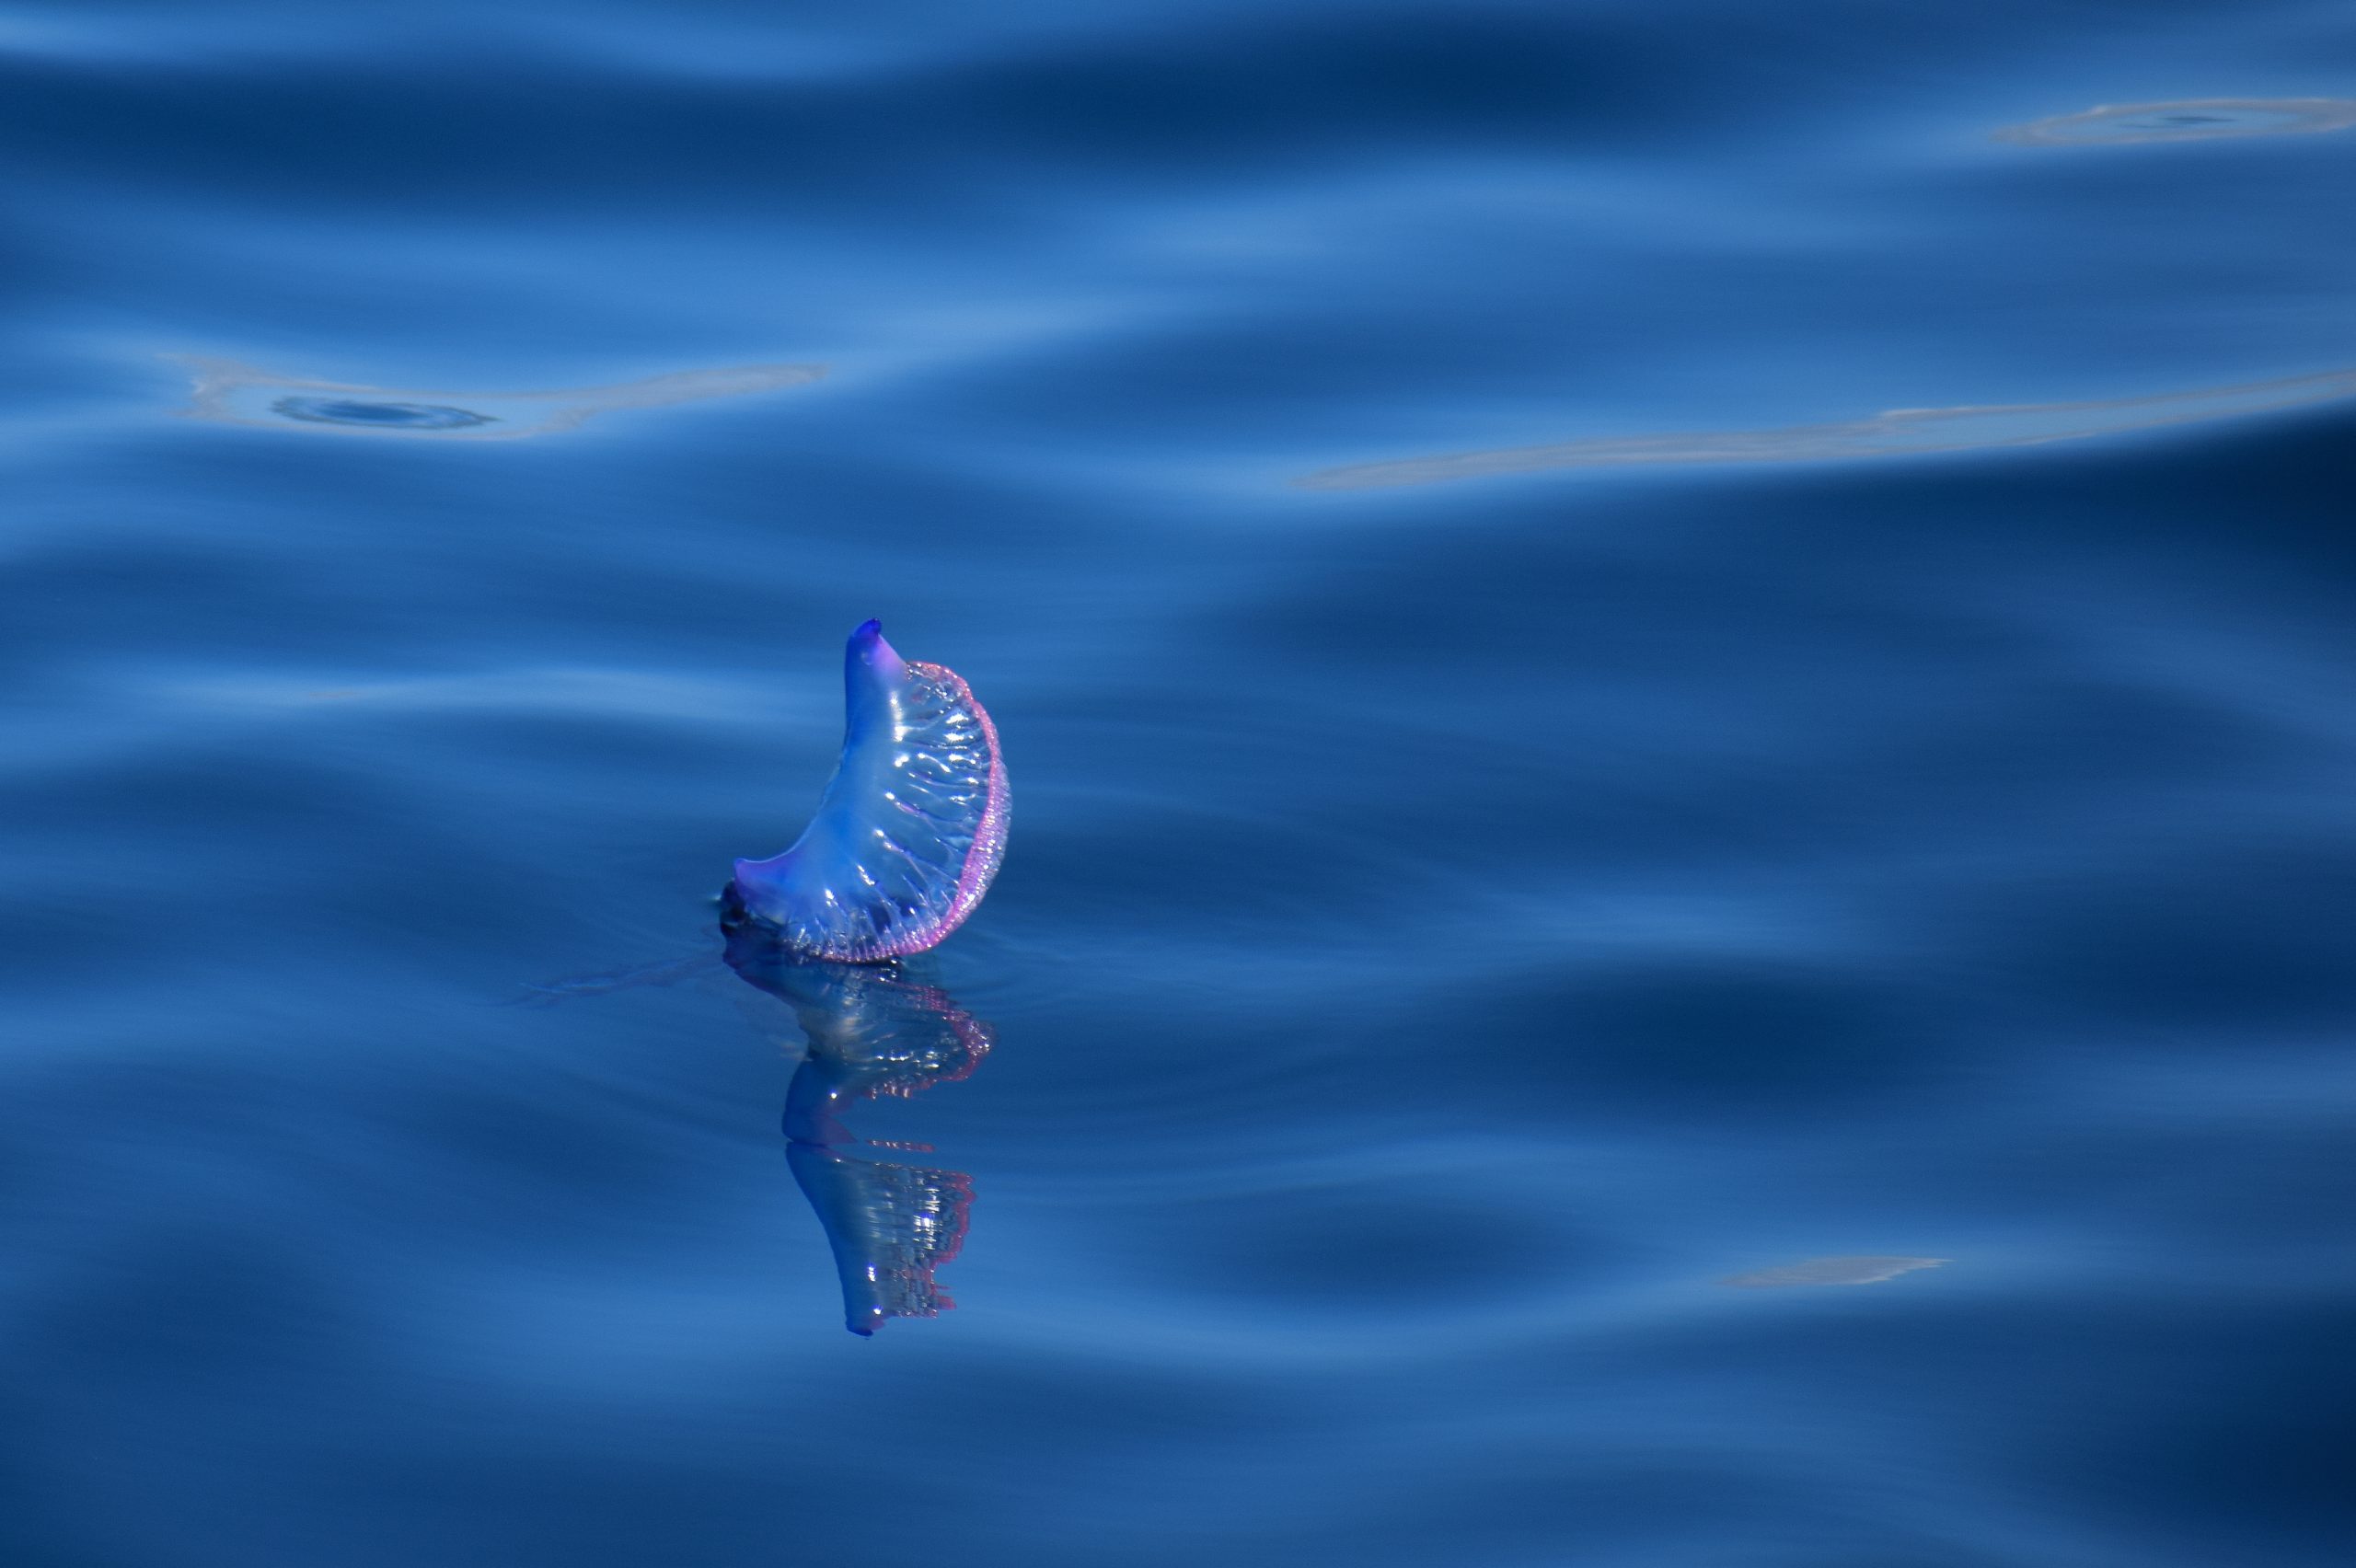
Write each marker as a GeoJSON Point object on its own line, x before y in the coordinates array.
{"type": "Point", "coordinates": [366, 415]}
{"type": "Point", "coordinates": [2190, 119]}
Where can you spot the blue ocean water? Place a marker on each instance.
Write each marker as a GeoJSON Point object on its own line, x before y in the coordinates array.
{"type": "Point", "coordinates": [1640, 646]}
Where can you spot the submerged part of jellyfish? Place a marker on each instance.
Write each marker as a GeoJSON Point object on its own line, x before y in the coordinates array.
{"type": "Point", "coordinates": [1898, 432]}
{"type": "Point", "coordinates": [231, 392]}
{"type": "Point", "coordinates": [2185, 120]}
{"type": "Point", "coordinates": [1833, 1271]}
{"type": "Point", "coordinates": [910, 829]}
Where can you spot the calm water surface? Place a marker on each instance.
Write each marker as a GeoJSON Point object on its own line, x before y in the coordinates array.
{"type": "Point", "coordinates": [1677, 679]}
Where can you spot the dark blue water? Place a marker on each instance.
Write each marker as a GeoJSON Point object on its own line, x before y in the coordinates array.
{"type": "Point", "coordinates": [1639, 645]}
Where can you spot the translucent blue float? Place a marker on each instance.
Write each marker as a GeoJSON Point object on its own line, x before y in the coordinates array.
{"type": "Point", "coordinates": [910, 828]}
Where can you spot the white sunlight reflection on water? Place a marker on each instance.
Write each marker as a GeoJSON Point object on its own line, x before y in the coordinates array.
{"type": "Point", "coordinates": [240, 394]}
{"type": "Point", "coordinates": [1894, 434]}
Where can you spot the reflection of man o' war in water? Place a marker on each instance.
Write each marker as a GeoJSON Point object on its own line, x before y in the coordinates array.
{"type": "Point", "coordinates": [871, 1030]}
{"type": "Point", "coordinates": [1899, 432]}
{"type": "Point", "coordinates": [2187, 120]}
{"type": "Point", "coordinates": [239, 394]}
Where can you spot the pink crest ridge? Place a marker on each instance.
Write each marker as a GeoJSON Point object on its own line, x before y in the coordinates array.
{"type": "Point", "coordinates": [989, 834]}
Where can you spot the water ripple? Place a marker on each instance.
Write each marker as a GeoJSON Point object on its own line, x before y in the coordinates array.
{"type": "Point", "coordinates": [1894, 434]}
{"type": "Point", "coordinates": [2185, 120]}
{"type": "Point", "coordinates": [231, 392]}
{"type": "Point", "coordinates": [1833, 1271]}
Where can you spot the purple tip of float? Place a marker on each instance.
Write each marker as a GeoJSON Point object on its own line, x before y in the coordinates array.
{"type": "Point", "coordinates": [867, 652]}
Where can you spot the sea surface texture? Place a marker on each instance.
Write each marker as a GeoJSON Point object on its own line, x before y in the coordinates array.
{"type": "Point", "coordinates": [1680, 680]}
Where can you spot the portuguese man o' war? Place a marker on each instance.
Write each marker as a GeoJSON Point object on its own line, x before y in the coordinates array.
{"type": "Point", "coordinates": [909, 830]}
{"type": "Point", "coordinates": [906, 840]}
